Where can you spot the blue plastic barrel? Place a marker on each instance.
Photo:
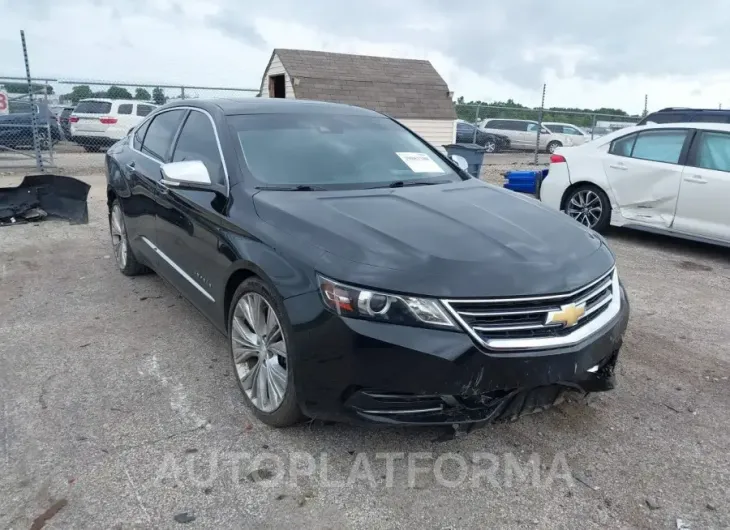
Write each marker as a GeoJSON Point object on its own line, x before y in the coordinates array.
{"type": "Point", "coordinates": [472, 153]}
{"type": "Point", "coordinates": [524, 181]}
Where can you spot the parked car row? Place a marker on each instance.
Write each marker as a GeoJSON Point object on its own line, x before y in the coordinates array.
{"type": "Point", "coordinates": [94, 123]}
{"type": "Point", "coordinates": [16, 128]}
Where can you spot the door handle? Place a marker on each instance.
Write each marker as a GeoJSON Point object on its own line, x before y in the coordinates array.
{"type": "Point", "coordinates": [696, 179]}
{"type": "Point", "coordinates": [622, 167]}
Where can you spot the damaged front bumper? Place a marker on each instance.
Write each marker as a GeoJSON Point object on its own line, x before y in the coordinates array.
{"type": "Point", "coordinates": [366, 372]}
{"type": "Point", "coordinates": [38, 196]}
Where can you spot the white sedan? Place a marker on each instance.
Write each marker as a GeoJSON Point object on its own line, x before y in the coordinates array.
{"type": "Point", "coordinates": [669, 178]}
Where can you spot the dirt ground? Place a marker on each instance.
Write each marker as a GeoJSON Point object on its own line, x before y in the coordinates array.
{"type": "Point", "coordinates": [119, 410]}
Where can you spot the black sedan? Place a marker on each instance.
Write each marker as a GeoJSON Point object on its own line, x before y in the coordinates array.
{"type": "Point", "coordinates": [358, 273]}
{"type": "Point", "coordinates": [466, 133]}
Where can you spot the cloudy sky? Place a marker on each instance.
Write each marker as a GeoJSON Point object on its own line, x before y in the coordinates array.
{"type": "Point", "coordinates": [591, 53]}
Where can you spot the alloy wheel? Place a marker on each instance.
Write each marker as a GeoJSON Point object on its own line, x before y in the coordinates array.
{"type": "Point", "coordinates": [119, 236]}
{"type": "Point", "coordinates": [491, 147]}
{"type": "Point", "coordinates": [259, 352]}
{"type": "Point", "coordinates": [552, 147]}
{"type": "Point", "coordinates": [585, 207]}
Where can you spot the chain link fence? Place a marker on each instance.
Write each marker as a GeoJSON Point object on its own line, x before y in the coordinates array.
{"type": "Point", "coordinates": [73, 117]}
{"type": "Point", "coordinates": [564, 126]}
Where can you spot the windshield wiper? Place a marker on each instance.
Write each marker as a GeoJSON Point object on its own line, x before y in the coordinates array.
{"type": "Point", "coordinates": [300, 187]}
{"type": "Point", "coordinates": [405, 183]}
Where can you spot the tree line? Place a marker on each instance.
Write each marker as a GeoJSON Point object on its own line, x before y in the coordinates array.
{"type": "Point", "coordinates": [114, 92]}
{"type": "Point", "coordinates": [473, 111]}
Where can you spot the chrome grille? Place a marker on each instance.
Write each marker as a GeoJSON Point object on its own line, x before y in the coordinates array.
{"type": "Point", "coordinates": [523, 323]}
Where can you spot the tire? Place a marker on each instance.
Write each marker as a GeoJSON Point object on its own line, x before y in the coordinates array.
{"type": "Point", "coordinates": [490, 146]}
{"type": "Point", "coordinates": [581, 200]}
{"type": "Point", "coordinates": [123, 254]}
{"type": "Point", "coordinates": [552, 146]}
{"type": "Point", "coordinates": [273, 406]}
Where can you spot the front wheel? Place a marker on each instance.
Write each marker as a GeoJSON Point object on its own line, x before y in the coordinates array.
{"type": "Point", "coordinates": [126, 261]}
{"type": "Point", "coordinates": [490, 146]}
{"type": "Point", "coordinates": [262, 353]}
{"type": "Point", "coordinates": [590, 206]}
{"type": "Point", "coordinates": [552, 146]}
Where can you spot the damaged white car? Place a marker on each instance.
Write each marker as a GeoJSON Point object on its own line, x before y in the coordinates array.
{"type": "Point", "coordinates": [667, 178]}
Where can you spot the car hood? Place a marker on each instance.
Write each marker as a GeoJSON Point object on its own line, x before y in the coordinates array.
{"type": "Point", "coordinates": [466, 239]}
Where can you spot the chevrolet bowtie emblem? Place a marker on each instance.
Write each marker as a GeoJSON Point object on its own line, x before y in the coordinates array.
{"type": "Point", "coordinates": [568, 315]}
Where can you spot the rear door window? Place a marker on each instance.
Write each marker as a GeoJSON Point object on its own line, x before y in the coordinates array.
{"type": "Point", "coordinates": [139, 135]}
{"type": "Point", "coordinates": [125, 108]}
{"type": "Point", "coordinates": [93, 107]}
{"type": "Point", "coordinates": [660, 146]}
{"type": "Point", "coordinates": [623, 146]}
{"type": "Point", "coordinates": [160, 133]}
{"type": "Point", "coordinates": [514, 125]}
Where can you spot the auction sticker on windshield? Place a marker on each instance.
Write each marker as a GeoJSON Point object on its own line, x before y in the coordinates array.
{"type": "Point", "coordinates": [420, 162]}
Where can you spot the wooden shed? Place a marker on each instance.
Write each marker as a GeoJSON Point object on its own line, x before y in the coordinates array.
{"type": "Point", "coordinates": [408, 90]}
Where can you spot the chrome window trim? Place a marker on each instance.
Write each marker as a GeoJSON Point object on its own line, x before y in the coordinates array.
{"type": "Point", "coordinates": [153, 115]}
{"type": "Point", "coordinates": [177, 268]}
{"type": "Point", "coordinates": [580, 334]}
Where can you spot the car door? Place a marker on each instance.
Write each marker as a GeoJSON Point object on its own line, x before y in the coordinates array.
{"type": "Point", "coordinates": [644, 171]}
{"type": "Point", "coordinates": [188, 221]}
{"type": "Point", "coordinates": [702, 208]}
{"type": "Point", "coordinates": [512, 129]}
{"type": "Point", "coordinates": [151, 145]}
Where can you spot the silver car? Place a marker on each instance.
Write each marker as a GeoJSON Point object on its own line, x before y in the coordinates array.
{"type": "Point", "coordinates": [523, 134]}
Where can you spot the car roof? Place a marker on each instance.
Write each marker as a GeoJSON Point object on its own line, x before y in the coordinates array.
{"type": "Point", "coordinates": [511, 119]}
{"type": "Point", "coordinates": [253, 105]}
{"type": "Point", "coordinates": [679, 109]}
{"type": "Point", "coordinates": [107, 100]}
{"type": "Point", "coordinates": [559, 123]}
{"type": "Point", "coordinates": [706, 126]}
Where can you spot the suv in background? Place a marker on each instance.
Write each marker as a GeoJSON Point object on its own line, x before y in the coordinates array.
{"type": "Point", "coordinates": [686, 115]}
{"type": "Point", "coordinates": [466, 133]}
{"type": "Point", "coordinates": [576, 135]}
{"type": "Point", "coordinates": [16, 129]}
{"type": "Point", "coordinates": [97, 123]}
{"type": "Point", "coordinates": [523, 134]}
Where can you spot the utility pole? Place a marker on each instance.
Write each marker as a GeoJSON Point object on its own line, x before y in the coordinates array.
{"type": "Point", "coordinates": [33, 113]}
{"type": "Point", "coordinates": [539, 121]}
{"type": "Point", "coordinates": [646, 105]}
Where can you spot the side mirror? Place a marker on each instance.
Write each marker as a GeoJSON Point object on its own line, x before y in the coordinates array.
{"type": "Point", "coordinates": [190, 174]}
{"type": "Point", "coordinates": [460, 161]}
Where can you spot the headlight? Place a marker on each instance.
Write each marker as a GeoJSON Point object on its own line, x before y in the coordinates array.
{"type": "Point", "coordinates": [354, 302]}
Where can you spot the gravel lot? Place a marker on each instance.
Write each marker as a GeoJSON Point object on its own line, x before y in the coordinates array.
{"type": "Point", "coordinates": [108, 384]}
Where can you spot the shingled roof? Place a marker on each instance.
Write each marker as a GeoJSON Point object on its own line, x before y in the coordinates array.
{"type": "Point", "coordinates": [401, 88]}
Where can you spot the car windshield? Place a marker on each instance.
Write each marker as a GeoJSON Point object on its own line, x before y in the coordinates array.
{"type": "Point", "coordinates": [335, 151]}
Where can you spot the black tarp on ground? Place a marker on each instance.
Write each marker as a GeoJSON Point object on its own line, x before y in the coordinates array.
{"type": "Point", "coordinates": [54, 195]}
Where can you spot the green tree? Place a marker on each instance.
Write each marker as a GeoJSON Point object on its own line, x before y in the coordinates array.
{"type": "Point", "coordinates": [117, 92]}
{"type": "Point", "coordinates": [158, 96]}
{"type": "Point", "coordinates": [141, 93]}
{"type": "Point", "coordinates": [22, 88]}
{"type": "Point", "coordinates": [77, 93]}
